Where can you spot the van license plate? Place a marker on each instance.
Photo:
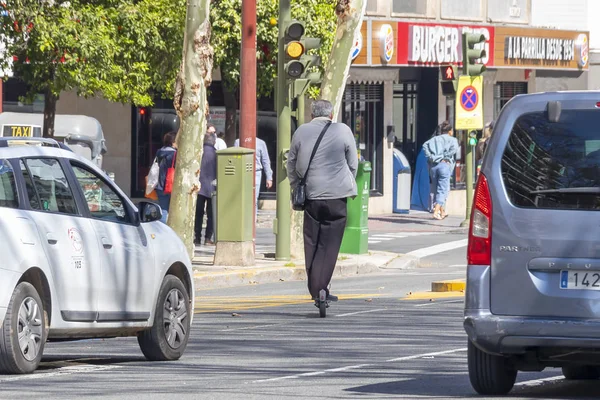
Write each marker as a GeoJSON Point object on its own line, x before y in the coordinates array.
{"type": "Point", "coordinates": [584, 280]}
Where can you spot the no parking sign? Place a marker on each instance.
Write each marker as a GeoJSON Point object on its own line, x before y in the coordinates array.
{"type": "Point", "coordinates": [469, 110]}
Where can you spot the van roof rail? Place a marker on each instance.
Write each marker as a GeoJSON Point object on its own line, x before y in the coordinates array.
{"type": "Point", "coordinates": [4, 141]}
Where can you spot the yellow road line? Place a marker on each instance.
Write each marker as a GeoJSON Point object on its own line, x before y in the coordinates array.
{"type": "Point", "coordinates": [207, 304]}
{"type": "Point", "coordinates": [433, 295]}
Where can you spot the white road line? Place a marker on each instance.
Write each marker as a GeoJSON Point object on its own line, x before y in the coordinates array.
{"type": "Point", "coordinates": [245, 328]}
{"type": "Point", "coordinates": [281, 378]}
{"type": "Point", "coordinates": [433, 273]}
{"type": "Point", "coordinates": [437, 353]}
{"type": "Point", "coordinates": [433, 303]}
{"type": "Point", "coordinates": [537, 382]}
{"type": "Point", "coordinates": [439, 248]}
{"type": "Point", "coordinates": [390, 235]}
{"type": "Point", "coordinates": [373, 241]}
{"type": "Point", "coordinates": [384, 238]}
{"type": "Point", "coordinates": [70, 370]}
{"type": "Point", "coordinates": [361, 312]}
{"type": "Point", "coordinates": [351, 367]}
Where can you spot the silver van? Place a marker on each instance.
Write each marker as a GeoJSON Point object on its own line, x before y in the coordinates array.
{"type": "Point", "coordinates": [533, 275]}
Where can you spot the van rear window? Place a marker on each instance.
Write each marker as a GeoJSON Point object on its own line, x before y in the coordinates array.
{"type": "Point", "coordinates": [554, 165]}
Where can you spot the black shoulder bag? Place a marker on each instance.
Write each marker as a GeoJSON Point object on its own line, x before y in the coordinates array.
{"type": "Point", "coordinates": [299, 192]}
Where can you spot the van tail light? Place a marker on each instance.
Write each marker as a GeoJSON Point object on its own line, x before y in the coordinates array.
{"type": "Point", "coordinates": [479, 250]}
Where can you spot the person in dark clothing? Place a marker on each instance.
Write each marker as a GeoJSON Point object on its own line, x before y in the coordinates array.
{"type": "Point", "coordinates": [330, 181]}
{"type": "Point", "coordinates": [165, 157]}
{"type": "Point", "coordinates": [208, 173]}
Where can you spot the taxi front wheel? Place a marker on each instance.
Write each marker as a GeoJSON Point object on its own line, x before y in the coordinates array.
{"type": "Point", "coordinates": [168, 337]}
{"type": "Point", "coordinates": [23, 333]}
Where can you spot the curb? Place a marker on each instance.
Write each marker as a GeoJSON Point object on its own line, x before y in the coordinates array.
{"type": "Point", "coordinates": [455, 285]}
{"type": "Point", "coordinates": [403, 261]}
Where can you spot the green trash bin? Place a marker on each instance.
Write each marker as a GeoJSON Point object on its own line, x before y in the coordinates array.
{"type": "Point", "coordinates": [356, 234]}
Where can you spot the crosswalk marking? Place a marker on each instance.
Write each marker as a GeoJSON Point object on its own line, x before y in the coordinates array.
{"type": "Point", "coordinates": [383, 237]}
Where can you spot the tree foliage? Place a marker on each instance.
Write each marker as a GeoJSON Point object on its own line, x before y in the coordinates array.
{"type": "Point", "coordinates": [122, 50]}
{"type": "Point", "coordinates": [226, 18]}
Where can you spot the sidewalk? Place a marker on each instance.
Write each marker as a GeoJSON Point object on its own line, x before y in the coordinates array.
{"type": "Point", "coordinates": [416, 221]}
{"type": "Point", "coordinates": [268, 270]}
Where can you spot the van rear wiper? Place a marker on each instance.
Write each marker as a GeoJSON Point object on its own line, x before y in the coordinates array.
{"type": "Point", "coordinates": [576, 190]}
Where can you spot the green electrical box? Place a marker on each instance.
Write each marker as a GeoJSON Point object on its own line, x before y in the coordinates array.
{"type": "Point", "coordinates": [356, 234]}
{"type": "Point", "coordinates": [235, 202]}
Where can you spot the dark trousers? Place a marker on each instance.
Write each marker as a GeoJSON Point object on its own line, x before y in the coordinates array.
{"type": "Point", "coordinates": [200, 205]}
{"type": "Point", "coordinates": [324, 223]}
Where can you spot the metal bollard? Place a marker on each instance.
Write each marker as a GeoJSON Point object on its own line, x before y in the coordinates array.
{"type": "Point", "coordinates": [214, 208]}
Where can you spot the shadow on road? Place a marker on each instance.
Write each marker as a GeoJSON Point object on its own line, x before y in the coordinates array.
{"type": "Point", "coordinates": [448, 386]}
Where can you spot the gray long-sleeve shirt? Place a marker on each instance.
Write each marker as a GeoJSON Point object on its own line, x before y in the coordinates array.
{"type": "Point", "coordinates": [263, 162]}
{"type": "Point", "coordinates": [333, 169]}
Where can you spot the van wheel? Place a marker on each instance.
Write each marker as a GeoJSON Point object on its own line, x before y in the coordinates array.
{"type": "Point", "coordinates": [23, 332]}
{"type": "Point", "coordinates": [490, 374]}
{"type": "Point", "coordinates": [580, 372]}
{"type": "Point", "coordinates": [168, 337]}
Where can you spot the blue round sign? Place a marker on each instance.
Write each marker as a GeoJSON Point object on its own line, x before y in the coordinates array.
{"type": "Point", "coordinates": [469, 98]}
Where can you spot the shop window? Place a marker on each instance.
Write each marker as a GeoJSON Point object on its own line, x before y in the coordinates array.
{"type": "Point", "coordinates": [372, 6]}
{"type": "Point", "coordinates": [504, 91]}
{"type": "Point", "coordinates": [14, 91]}
{"type": "Point", "coordinates": [516, 11]}
{"type": "Point", "coordinates": [363, 113]}
{"type": "Point", "coordinates": [462, 9]}
{"type": "Point", "coordinates": [409, 7]}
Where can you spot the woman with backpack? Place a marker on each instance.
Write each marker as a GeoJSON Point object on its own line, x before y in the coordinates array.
{"type": "Point", "coordinates": [165, 157]}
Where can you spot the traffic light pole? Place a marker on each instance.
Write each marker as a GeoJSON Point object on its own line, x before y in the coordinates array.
{"type": "Point", "coordinates": [470, 68]}
{"type": "Point", "coordinates": [248, 88]}
{"type": "Point", "coordinates": [468, 177]}
{"type": "Point", "coordinates": [282, 221]}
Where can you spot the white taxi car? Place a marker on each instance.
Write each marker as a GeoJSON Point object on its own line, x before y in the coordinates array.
{"type": "Point", "coordinates": [79, 260]}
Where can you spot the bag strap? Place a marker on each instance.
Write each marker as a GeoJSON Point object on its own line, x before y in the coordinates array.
{"type": "Point", "coordinates": [173, 162]}
{"type": "Point", "coordinates": [303, 179]}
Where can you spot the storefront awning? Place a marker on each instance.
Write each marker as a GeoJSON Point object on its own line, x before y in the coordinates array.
{"type": "Point", "coordinates": [373, 75]}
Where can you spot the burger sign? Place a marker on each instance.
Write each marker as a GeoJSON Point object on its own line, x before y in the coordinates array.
{"type": "Point", "coordinates": [386, 35]}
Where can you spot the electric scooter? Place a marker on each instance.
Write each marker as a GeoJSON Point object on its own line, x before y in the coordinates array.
{"type": "Point", "coordinates": [322, 303]}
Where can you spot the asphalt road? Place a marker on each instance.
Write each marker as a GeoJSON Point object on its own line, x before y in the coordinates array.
{"type": "Point", "coordinates": [267, 342]}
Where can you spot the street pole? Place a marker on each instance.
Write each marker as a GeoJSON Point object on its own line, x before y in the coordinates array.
{"type": "Point", "coordinates": [282, 222]}
{"type": "Point", "coordinates": [300, 110]}
{"type": "Point", "coordinates": [469, 177]}
{"type": "Point", "coordinates": [248, 89]}
{"type": "Point", "coordinates": [297, 217]}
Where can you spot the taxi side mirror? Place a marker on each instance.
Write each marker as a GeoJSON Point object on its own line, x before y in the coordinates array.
{"type": "Point", "coordinates": [149, 212]}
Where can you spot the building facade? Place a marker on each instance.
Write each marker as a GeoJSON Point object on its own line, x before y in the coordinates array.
{"type": "Point", "coordinates": [393, 98]}
{"type": "Point", "coordinates": [396, 67]}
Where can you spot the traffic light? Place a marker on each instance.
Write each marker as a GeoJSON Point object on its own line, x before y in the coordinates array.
{"type": "Point", "coordinates": [298, 63]}
{"type": "Point", "coordinates": [448, 80]}
{"type": "Point", "coordinates": [471, 54]}
{"type": "Point", "coordinates": [472, 138]}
